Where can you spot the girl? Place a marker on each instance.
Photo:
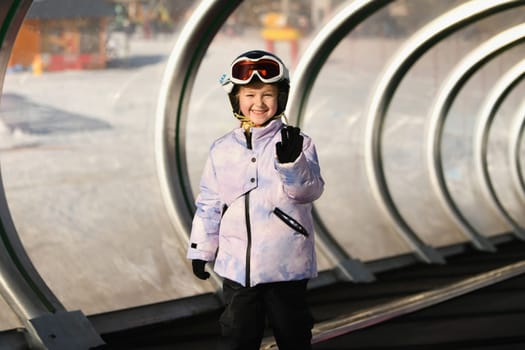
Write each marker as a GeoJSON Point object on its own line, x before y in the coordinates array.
{"type": "Point", "coordinates": [253, 216]}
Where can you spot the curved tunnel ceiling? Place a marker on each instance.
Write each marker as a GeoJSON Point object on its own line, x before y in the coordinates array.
{"type": "Point", "coordinates": [170, 144]}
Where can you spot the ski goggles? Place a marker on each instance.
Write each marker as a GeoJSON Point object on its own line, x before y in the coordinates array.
{"type": "Point", "coordinates": [267, 68]}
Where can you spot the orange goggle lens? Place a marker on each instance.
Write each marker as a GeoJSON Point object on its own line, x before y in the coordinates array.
{"type": "Point", "coordinates": [268, 70]}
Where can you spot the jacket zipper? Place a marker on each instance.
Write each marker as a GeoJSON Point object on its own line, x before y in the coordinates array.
{"type": "Point", "coordinates": [249, 234]}
{"type": "Point", "coordinates": [247, 218]}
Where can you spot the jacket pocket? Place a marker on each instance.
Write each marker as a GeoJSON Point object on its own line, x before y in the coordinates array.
{"type": "Point", "coordinates": [291, 222]}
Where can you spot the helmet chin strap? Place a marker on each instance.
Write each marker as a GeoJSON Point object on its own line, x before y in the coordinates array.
{"type": "Point", "coordinates": [247, 124]}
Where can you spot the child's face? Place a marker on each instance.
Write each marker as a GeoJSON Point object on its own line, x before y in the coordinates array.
{"type": "Point", "coordinates": [258, 102]}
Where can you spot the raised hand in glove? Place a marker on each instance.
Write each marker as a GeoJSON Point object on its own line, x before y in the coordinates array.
{"type": "Point", "coordinates": [290, 146]}
{"type": "Point", "coordinates": [198, 269]}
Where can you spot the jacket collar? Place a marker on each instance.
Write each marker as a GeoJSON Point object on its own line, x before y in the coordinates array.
{"type": "Point", "coordinates": [259, 134]}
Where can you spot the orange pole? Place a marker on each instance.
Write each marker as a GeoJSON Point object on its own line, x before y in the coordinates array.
{"type": "Point", "coordinates": [294, 51]}
{"type": "Point", "coordinates": [269, 45]}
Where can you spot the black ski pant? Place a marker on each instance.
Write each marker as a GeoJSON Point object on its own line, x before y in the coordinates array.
{"type": "Point", "coordinates": [283, 304]}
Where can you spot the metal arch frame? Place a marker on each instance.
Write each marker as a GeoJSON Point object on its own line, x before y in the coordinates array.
{"type": "Point", "coordinates": [455, 80]}
{"type": "Point", "coordinates": [347, 17]}
{"type": "Point", "coordinates": [172, 108]}
{"type": "Point", "coordinates": [515, 142]}
{"type": "Point", "coordinates": [320, 48]}
{"type": "Point", "coordinates": [20, 284]}
{"type": "Point", "coordinates": [413, 49]}
{"type": "Point", "coordinates": [48, 325]}
{"type": "Point", "coordinates": [488, 112]}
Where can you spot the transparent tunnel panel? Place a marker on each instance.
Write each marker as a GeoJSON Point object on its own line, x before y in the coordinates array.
{"type": "Point", "coordinates": [458, 138]}
{"type": "Point", "coordinates": [498, 160]}
{"type": "Point", "coordinates": [404, 139]}
{"type": "Point", "coordinates": [77, 120]}
{"type": "Point", "coordinates": [335, 117]}
{"type": "Point", "coordinates": [406, 133]}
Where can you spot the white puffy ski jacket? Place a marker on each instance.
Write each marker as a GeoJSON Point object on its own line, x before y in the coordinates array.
{"type": "Point", "coordinates": [253, 213]}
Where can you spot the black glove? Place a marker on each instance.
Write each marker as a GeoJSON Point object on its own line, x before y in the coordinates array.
{"type": "Point", "coordinates": [198, 269]}
{"type": "Point", "coordinates": [291, 145]}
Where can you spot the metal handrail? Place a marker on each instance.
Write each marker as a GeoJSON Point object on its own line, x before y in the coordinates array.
{"type": "Point", "coordinates": [345, 324]}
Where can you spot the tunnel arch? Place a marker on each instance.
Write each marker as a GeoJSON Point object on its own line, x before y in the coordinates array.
{"type": "Point", "coordinates": [20, 282]}
{"type": "Point", "coordinates": [414, 48]}
{"type": "Point", "coordinates": [172, 109]}
{"type": "Point", "coordinates": [39, 311]}
{"type": "Point", "coordinates": [443, 102]}
{"type": "Point", "coordinates": [515, 144]}
{"type": "Point", "coordinates": [500, 91]}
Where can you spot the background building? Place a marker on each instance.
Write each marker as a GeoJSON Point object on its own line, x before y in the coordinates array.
{"type": "Point", "coordinates": [63, 34]}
